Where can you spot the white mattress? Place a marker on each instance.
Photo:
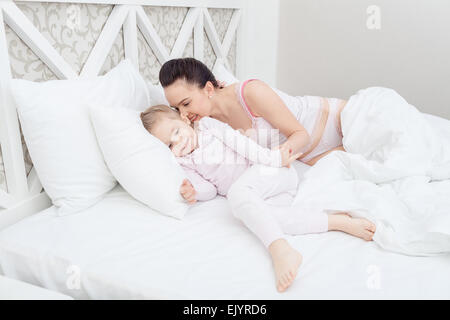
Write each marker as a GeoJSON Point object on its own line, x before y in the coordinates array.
{"type": "Point", "coordinates": [121, 249]}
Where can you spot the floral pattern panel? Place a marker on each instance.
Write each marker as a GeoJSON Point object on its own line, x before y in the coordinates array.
{"type": "Point", "coordinates": [221, 19]}
{"type": "Point", "coordinates": [116, 54]}
{"type": "Point", "coordinates": [149, 65]}
{"type": "Point", "coordinates": [24, 63]}
{"type": "Point", "coordinates": [167, 22]}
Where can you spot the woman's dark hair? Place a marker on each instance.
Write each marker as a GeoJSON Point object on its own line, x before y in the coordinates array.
{"type": "Point", "coordinates": [191, 70]}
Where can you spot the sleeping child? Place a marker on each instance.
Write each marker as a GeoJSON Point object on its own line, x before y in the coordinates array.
{"type": "Point", "coordinates": [220, 160]}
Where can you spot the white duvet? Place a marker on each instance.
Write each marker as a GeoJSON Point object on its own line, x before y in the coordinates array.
{"type": "Point", "coordinates": [396, 172]}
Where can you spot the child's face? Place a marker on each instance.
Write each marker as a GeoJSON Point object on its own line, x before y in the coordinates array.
{"type": "Point", "coordinates": [178, 135]}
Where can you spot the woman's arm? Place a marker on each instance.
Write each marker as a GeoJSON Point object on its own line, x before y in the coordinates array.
{"type": "Point", "coordinates": [264, 102]}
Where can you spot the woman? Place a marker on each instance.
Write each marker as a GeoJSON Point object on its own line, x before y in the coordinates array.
{"type": "Point", "coordinates": [307, 124]}
{"type": "Point", "coordinates": [310, 125]}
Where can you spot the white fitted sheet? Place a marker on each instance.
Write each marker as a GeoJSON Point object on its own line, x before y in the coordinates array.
{"type": "Point", "coordinates": [121, 249]}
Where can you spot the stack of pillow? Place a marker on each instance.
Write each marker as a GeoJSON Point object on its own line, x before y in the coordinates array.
{"type": "Point", "coordinates": [85, 134]}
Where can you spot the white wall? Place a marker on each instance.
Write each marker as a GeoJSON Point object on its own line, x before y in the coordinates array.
{"type": "Point", "coordinates": [259, 38]}
{"type": "Point", "coordinates": [325, 48]}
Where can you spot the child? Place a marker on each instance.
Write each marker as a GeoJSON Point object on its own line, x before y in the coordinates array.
{"type": "Point", "coordinates": [221, 160]}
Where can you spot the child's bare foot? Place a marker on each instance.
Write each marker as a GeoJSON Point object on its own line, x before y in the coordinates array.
{"type": "Point", "coordinates": [358, 227]}
{"type": "Point", "coordinates": [286, 261]}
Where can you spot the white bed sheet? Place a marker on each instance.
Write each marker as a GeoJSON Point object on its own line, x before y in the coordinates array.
{"type": "Point", "coordinates": [121, 249]}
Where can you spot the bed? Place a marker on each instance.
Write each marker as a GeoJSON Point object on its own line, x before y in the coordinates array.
{"type": "Point", "coordinates": [119, 248]}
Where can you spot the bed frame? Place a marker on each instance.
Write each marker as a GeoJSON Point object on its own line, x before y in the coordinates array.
{"type": "Point", "coordinates": [25, 195]}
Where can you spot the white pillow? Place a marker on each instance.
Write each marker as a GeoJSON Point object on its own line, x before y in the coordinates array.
{"type": "Point", "coordinates": [62, 144]}
{"type": "Point", "coordinates": [142, 164]}
{"type": "Point", "coordinates": [221, 73]}
{"type": "Point", "coordinates": [157, 95]}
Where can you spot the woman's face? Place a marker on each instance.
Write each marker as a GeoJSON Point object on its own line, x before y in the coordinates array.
{"type": "Point", "coordinates": [192, 102]}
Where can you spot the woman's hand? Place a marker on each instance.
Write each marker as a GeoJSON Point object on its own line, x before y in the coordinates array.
{"type": "Point", "coordinates": [287, 157]}
{"type": "Point", "coordinates": [187, 191]}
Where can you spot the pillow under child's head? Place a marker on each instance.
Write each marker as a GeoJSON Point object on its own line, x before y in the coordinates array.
{"type": "Point", "coordinates": [141, 163]}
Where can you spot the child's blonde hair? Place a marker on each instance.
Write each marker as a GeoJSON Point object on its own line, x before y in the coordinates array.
{"type": "Point", "coordinates": [152, 115]}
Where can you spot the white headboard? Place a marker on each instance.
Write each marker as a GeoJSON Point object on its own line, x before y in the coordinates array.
{"type": "Point", "coordinates": [93, 37]}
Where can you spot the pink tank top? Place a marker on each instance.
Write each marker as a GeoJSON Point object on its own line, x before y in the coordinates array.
{"type": "Point", "coordinates": [306, 109]}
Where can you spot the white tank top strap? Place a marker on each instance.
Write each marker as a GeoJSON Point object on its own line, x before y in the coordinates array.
{"type": "Point", "coordinates": [240, 93]}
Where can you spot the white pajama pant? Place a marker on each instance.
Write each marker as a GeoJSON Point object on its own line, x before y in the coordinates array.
{"type": "Point", "coordinates": [262, 199]}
